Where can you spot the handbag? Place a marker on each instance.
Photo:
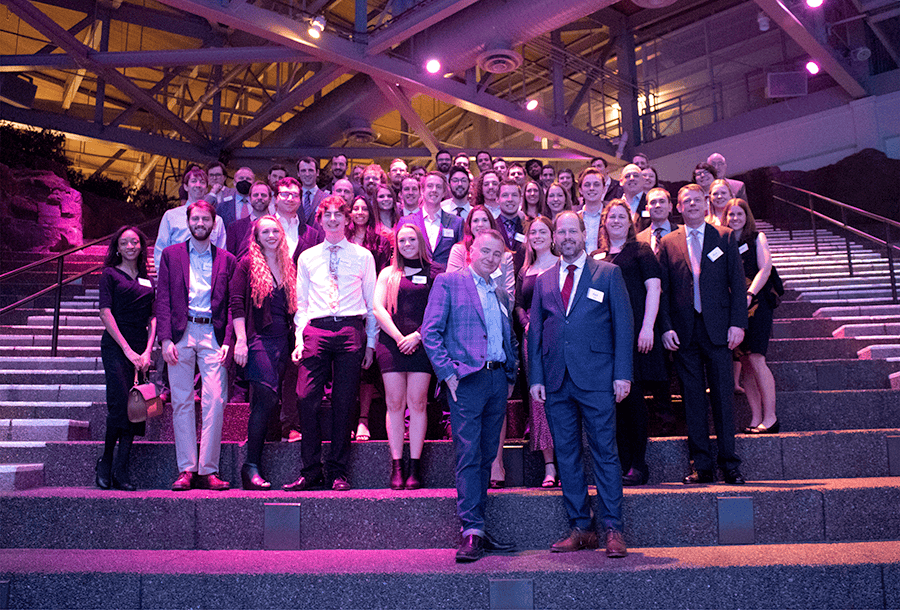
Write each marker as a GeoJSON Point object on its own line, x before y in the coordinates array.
{"type": "Point", "coordinates": [143, 401]}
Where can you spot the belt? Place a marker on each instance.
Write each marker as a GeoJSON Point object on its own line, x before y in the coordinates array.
{"type": "Point", "coordinates": [493, 365]}
{"type": "Point", "coordinates": [329, 321]}
{"type": "Point", "coordinates": [199, 320]}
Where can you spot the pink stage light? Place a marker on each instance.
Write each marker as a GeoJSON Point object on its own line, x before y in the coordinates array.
{"type": "Point", "coordinates": [812, 67]}
{"type": "Point", "coordinates": [433, 66]}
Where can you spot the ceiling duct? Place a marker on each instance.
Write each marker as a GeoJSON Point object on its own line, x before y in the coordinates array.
{"type": "Point", "coordinates": [653, 3]}
{"type": "Point", "coordinates": [360, 132]}
{"type": "Point", "coordinates": [499, 61]}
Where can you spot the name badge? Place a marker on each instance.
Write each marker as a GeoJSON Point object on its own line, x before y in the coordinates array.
{"type": "Point", "coordinates": [520, 238]}
{"type": "Point", "coordinates": [229, 198]}
{"type": "Point", "coordinates": [496, 274]}
{"type": "Point", "coordinates": [419, 279]}
{"type": "Point", "coordinates": [743, 248]}
{"type": "Point", "coordinates": [645, 214]}
{"type": "Point", "coordinates": [145, 282]}
{"type": "Point", "coordinates": [715, 253]}
{"type": "Point", "coordinates": [600, 256]}
{"type": "Point", "coordinates": [595, 295]}
{"type": "Point", "coordinates": [447, 232]}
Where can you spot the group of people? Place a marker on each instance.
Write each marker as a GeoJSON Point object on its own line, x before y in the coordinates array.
{"type": "Point", "coordinates": [585, 282]}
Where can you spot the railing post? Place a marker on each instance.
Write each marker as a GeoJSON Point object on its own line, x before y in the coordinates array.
{"type": "Point", "coordinates": [54, 340]}
{"type": "Point", "coordinates": [890, 253]}
{"type": "Point", "coordinates": [812, 220]}
{"type": "Point", "coordinates": [847, 240]}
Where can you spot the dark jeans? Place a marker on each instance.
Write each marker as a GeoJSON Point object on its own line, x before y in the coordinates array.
{"type": "Point", "coordinates": [569, 410]}
{"type": "Point", "coordinates": [476, 417]}
{"type": "Point", "coordinates": [335, 348]}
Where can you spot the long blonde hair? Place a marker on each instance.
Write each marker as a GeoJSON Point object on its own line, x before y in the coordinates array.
{"type": "Point", "coordinates": [392, 286]}
{"type": "Point", "coordinates": [261, 281]}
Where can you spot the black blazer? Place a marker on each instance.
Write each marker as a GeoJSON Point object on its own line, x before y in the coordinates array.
{"type": "Point", "coordinates": [173, 279]}
{"type": "Point", "coordinates": [722, 284]}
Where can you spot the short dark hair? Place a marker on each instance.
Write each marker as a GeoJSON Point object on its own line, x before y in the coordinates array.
{"type": "Point", "coordinates": [588, 171]}
{"type": "Point", "coordinates": [203, 204]}
{"type": "Point", "coordinates": [484, 152]}
{"type": "Point", "coordinates": [340, 154]}
{"type": "Point", "coordinates": [308, 160]}
{"type": "Point", "coordinates": [275, 167]}
{"type": "Point", "coordinates": [601, 159]}
{"type": "Point", "coordinates": [457, 169]}
{"type": "Point", "coordinates": [548, 166]}
{"type": "Point", "coordinates": [442, 151]}
{"type": "Point", "coordinates": [287, 181]}
{"type": "Point", "coordinates": [213, 164]}
{"type": "Point", "coordinates": [510, 182]}
{"type": "Point", "coordinates": [264, 183]}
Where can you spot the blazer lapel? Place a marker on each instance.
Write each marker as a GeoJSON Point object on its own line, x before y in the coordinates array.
{"type": "Point", "coordinates": [587, 273]}
{"type": "Point", "coordinates": [473, 296]}
{"type": "Point", "coordinates": [554, 289]}
{"type": "Point", "coordinates": [216, 261]}
{"type": "Point", "coordinates": [186, 266]}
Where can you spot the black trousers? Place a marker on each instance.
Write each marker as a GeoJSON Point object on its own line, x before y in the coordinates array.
{"type": "Point", "coordinates": [335, 348]}
{"type": "Point", "coordinates": [698, 362]}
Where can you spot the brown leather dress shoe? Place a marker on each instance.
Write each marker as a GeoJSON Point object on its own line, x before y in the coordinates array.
{"type": "Point", "coordinates": [305, 483]}
{"type": "Point", "coordinates": [472, 549]}
{"type": "Point", "coordinates": [184, 481]}
{"type": "Point", "coordinates": [213, 482]}
{"type": "Point", "coordinates": [340, 484]}
{"type": "Point", "coordinates": [577, 540]}
{"type": "Point", "coordinates": [615, 544]}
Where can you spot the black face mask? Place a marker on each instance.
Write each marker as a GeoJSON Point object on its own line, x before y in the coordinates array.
{"type": "Point", "coordinates": [242, 186]}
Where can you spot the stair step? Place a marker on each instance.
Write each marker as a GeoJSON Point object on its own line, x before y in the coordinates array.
{"type": "Point", "coordinates": [95, 332]}
{"type": "Point", "coordinates": [44, 377]}
{"type": "Point", "coordinates": [44, 341]}
{"type": "Point", "coordinates": [873, 352]}
{"type": "Point", "coordinates": [84, 411]}
{"type": "Point", "coordinates": [822, 348]}
{"type": "Point", "coordinates": [830, 410]}
{"type": "Point", "coordinates": [65, 321]}
{"type": "Point", "coordinates": [824, 575]}
{"type": "Point", "coordinates": [771, 457]}
{"type": "Point", "coordinates": [19, 477]}
{"type": "Point", "coordinates": [895, 380]}
{"type": "Point", "coordinates": [867, 330]}
{"type": "Point", "coordinates": [44, 352]}
{"type": "Point", "coordinates": [858, 310]}
{"type": "Point", "coordinates": [49, 392]}
{"type": "Point", "coordinates": [672, 514]}
{"type": "Point", "coordinates": [44, 430]}
{"type": "Point", "coordinates": [58, 363]}
{"type": "Point", "coordinates": [815, 375]}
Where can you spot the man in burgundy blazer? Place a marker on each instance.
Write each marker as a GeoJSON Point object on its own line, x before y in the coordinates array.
{"type": "Point", "coordinates": [192, 320]}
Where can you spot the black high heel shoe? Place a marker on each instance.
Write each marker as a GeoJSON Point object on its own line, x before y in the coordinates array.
{"type": "Point", "coordinates": [103, 474]}
{"type": "Point", "coordinates": [123, 485]}
{"type": "Point", "coordinates": [773, 429]}
{"type": "Point", "coordinates": [251, 480]}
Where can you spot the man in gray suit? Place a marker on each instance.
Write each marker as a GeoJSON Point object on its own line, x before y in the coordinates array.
{"type": "Point", "coordinates": [737, 187]}
{"type": "Point", "coordinates": [467, 334]}
{"type": "Point", "coordinates": [580, 361]}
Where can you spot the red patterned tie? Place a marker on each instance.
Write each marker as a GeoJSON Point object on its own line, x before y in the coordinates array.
{"type": "Point", "coordinates": [567, 285]}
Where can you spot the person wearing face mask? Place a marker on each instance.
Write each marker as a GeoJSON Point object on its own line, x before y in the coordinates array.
{"type": "Point", "coordinates": [234, 203]}
{"type": "Point", "coordinates": [237, 234]}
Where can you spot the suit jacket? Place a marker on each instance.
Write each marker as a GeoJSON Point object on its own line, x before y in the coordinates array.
{"type": "Point", "coordinates": [722, 285]}
{"type": "Point", "coordinates": [311, 235]}
{"type": "Point", "coordinates": [644, 236]}
{"type": "Point", "coordinates": [738, 188]}
{"type": "Point", "coordinates": [224, 203]}
{"type": "Point", "coordinates": [444, 243]}
{"type": "Point", "coordinates": [454, 332]}
{"type": "Point", "coordinates": [237, 236]}
{"type": "Point", "coordinates": [594, 342]}
{"type": "Point", "coordinates": [173, 280]}
{"type": "Point", "coordinates": [310, 213]}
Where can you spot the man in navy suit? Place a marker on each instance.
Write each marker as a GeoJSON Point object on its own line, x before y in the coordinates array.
{"type": "Point", "coordinates": [237, 235]}
{"type": "Point", "coordinates": [703, 314]}
{"type": "Point", "coordinates": [192, 319]}
{"type": "Point", "coordinates": [580, 358]}
{"type": "Point", "coordinates": [442, 229]}
{"type": "Point", "coordinates": [310, 195]}
{"type": "Point", "coordinates": [467, 334]}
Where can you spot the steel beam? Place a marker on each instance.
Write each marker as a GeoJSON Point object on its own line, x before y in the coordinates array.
{"type": "Point", "coordinates": [401, 102]}
{"type": "Point", "coordinates": [274, 110]}
{"type": "Point", "coordinates": [412, 22]}
{"type": "Point", "coordinates": [334, 49]}
{"type": "Point", "coordinates": [44, 24]}
{"type": "Point", "coordinates": [389, 152]}
{"type": "Point", "coordinates": [786, 20]}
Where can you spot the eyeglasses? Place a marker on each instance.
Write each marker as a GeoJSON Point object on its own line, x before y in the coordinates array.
{"type": "Point", "coordinates": [285, 195]}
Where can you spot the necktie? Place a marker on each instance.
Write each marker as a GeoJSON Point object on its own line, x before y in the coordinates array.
{"type": "Point", "coordinates": [307, 203]}
{"type": "Point", "coordinates": [694, 251]}
{"type": "Point", "coordinates": [333, 273]}
{"type": "Point", "coordinates": [245, 209]}
{"type": "Point", "coordinates": [510, 225]}
{"type": "Point", "coordinates": [657, 235]}
{"type": "Point", "coordinates": [567, 286]}
{"type": "Point", "coordinates": [459, 210]}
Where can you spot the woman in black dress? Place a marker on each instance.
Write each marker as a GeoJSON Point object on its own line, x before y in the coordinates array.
{"type": "Point", "coordinates": [362, 230]}
{"type": "Point", "coordinates": [539, 257]}
{"type": "Point", "coordinates": [263, 301]}
{"type": "Point", "coordinates": [759, 384]}
{"type": "Point", "coordinates": [642, 274]}
{"type": "Point", "coordinates": [400, 298]}
{"type": "Point", "coordinates": [126, 310]}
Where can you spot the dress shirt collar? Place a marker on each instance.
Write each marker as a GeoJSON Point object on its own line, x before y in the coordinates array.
{"type": "Point", "coordinates": [489, 285]}
{"type": "Point", "coordinates": [578, 262]}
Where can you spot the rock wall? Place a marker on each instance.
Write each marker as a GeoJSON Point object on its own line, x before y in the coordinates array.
{"type": "Point", "coordinates": [39, 211]}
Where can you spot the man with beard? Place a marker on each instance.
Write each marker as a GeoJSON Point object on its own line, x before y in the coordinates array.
{"type": "Point", "coordinates": [484, 161]}
{"type": "Point", "coordinates": [487, 188]}
{"type": "Point", "coordinates": [443, 161]}
{"type": "Point", "coordinates": [276, 173]}
{"type": "Point", "coordinates": [338, 168]}
{"type": "Point", "coordinates": [192, 316]}
{"type": "Point", "coordinates": [238, 232]}
{"type": "Point", "coordinates": [458, 203]}
{"type": "Point", "coordinates": [372, 177]}
{"type": "Point", "coordinates": [461, 159]}
{"type": "Point", "coordinates": [580, 360]}
{"type": "Point", "coordinates": [396, 171]}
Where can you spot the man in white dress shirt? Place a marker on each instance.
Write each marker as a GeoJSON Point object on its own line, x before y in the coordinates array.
{"type": "Point", "coordinates": [335, 333]}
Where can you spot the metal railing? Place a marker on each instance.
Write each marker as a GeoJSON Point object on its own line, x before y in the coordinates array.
{"type": "Point", "coordinates": [814, 200]}
{"type": "Point", "coordinates": [57, 286]}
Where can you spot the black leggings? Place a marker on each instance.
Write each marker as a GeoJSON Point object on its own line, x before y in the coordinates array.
{"type": "Point", "coordinates": [263, 404]}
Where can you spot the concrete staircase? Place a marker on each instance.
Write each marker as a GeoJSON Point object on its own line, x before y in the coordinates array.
{"type": "Point", "coordinates": [817, 526]}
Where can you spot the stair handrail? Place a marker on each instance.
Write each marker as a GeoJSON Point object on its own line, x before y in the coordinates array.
{"type": "Point", "coordinates": [60, 282]}
{"type": "Point", "coordinates": [888, 243]}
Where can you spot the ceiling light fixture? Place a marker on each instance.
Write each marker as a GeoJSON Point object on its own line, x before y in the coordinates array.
{"type": "Point", "coordinates": [531, 104]}
{"type": "Point", "coordinates": [316, 27]}
{"type": "Point", "coordinates": [812, 67]}
{"type": "Point", "coordinates": [433, 66]}
{"type": "Point", "coordinates": [814, 3]}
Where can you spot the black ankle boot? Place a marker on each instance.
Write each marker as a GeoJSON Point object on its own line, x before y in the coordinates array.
{"type": "Point", "coordinates": [103, 474]}
{"type": "Point", "coordinates": [120, 478]}
{"type": "Point", "coordinates": [414, 480]}
{"type": "Point", "coordinates": [397, 474]}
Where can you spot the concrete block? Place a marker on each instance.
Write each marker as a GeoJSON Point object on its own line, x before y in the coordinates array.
{"type": "Point", "coordinates": [49, 430]}
{"type": "Point", "coordinates": [735, 520]}
{"type": "Point", "coordinates": [18, 477]}
{"type": "Point", "coordinates": [862, 510]}
{"type": "Point", "coordinates": [810, 455]}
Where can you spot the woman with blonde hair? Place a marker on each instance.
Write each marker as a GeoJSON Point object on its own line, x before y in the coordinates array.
{"type": "Point", "coordinates": [401, 295]}
{"type": "Point", "coordinates": [263, 301]}
{"type": "Point", "coordinates": [719, 196]}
